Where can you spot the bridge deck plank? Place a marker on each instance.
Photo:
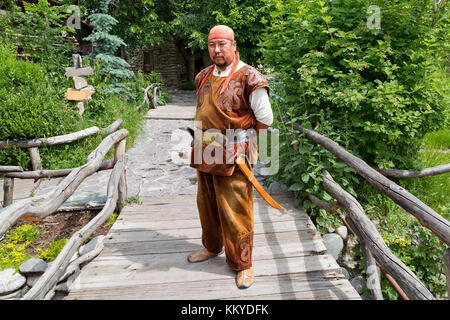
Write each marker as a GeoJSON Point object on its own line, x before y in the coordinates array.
{"type": "Point", "coordinates": [146, 249]}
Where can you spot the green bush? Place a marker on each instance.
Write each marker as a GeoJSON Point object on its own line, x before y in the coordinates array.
{"type": "Point", "coordinates": [367, 89]}
{"type": "Point", "coordinates": [31, 106]}
{"type": "Point", "coordinates": [12, 248]}
{"type": "Point", "coordinates": [52, 251]}
{"type": "Point", "coordinates": [376, 92]}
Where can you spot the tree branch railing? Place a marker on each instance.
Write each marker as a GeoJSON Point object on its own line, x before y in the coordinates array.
{"type": "Point", "coordinates": [43, 205]}
{"type": "Point", "coordinates": [151, 97]}
{"type": "Point", "coordinates": [9, 173]}
{"type": "Point", "coordinates": [402, 279]}
{"type": "Point", "coordinates": [428, 172]}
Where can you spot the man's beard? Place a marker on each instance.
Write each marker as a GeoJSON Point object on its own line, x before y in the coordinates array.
{"type": "Point", "coordinates": [223, 64]}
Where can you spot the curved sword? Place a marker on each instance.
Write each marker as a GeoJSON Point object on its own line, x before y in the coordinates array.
{"type": "Point", "coordinates": [240, 161]}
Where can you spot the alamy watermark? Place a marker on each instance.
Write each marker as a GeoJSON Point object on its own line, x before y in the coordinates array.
{"type": "Point", "coordinates": [215, 147]}
{"type": "Point", "coordinates": [374, 20]}
{"type": "Point", "coordinates": [74, 21]}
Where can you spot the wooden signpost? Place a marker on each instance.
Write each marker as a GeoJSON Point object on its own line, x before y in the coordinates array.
{"type": "Point", "coordinates": [82, 92]}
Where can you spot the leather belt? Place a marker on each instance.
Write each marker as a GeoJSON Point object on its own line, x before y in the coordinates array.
{"type": "Point", "coordinates": [219, 139]}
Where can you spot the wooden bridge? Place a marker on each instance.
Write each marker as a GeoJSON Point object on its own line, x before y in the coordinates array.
{"type": "Point", "coordinates": [145, 257]}
{"type": "Point", "coordinates": [145, 252]}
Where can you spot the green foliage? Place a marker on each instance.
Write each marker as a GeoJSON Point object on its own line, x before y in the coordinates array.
{"type": "Point", "coordinates": [52, 251]}
{"type": "Point", "coordinates": [30, 105]}
{"type": "Point", "coordinates": [364, 88]}
{"type": "Point", "coordinates": [415, 245]}
{"type": "Point", "coordinates": [39, 30]}
{"type": "Point", "coordinates": [111, 219]}
{"type": "Point", "coordinates": [26, 232]}
{"type": "Point", "coordinates": [105, 47]}
{"type": "Point", "coordinates": [438, 139]}
{"type": "Point", "coordinates": [133, 199]}
{"type": "Point", "coordinates": [12, 248]}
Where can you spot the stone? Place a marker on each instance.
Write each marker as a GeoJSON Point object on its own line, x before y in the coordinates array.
{"type": "Point", "coordinates": [359, 283]}
{"type": "Point", "coordinates": [342, 231]}
{"type": "Point", "coordinates": [16, 295]}
{"type": "Point", "coordinates": [81, 197]}
{"type": "Point", "coordinates": [345, 273]}
{"type": "Point", "coordinates": [91, 245]}
{"type": "Point", "coordinates": [33, 266]}
{"type": "Point", "coordinates": [32, 279]}
{"type": "Point", "coordinates": [334, 244]}
{"type": "Point", "coordinates": [10, 281]}
{"type": "Point", "coordinates": [277, 186]}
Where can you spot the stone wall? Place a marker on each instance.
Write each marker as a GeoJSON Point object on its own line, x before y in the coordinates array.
{"type": "Point", "coordinates": [164, 59]}
{"type": "Point", "coordinates": [167, 60]}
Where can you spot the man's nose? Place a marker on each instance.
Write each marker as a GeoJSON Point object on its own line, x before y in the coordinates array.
{"type": "Point", "coordinates": [216, 48]}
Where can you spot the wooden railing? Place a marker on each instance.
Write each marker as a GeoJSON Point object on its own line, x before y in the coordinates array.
{"type": "Point", "coordinates": [43, 205]}
{"type": "Point", "coordinates": [374, 249]}
{"type": "Point", "coordinates": [9, 173]}
{"type": "Point", "coordinates": [151, 94]}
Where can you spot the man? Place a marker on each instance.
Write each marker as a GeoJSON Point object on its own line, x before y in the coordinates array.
{"type": "Point", "coordinates": [231, 95]}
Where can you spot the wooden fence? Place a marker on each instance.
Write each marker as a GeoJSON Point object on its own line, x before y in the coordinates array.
{"type": "Point", "coordinates": [43, 205]}
{"type": "Point", "coordinates": [374, 249]}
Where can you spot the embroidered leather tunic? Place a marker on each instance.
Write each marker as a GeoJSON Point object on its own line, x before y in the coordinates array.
{"type": "Point", "coordinates": [229, 110]}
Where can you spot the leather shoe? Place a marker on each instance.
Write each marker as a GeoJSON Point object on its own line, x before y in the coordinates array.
{"type": "Point", "coordinates": [244, 278]}
{"type": "Point", "coordinates": [201, 255]}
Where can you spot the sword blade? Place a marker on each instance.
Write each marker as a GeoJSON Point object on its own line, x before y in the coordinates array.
{"type": "Point", "coordinates": [246, 171]}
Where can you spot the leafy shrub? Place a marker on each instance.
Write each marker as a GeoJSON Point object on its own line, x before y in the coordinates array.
{"type": "Point", "coordinates": [368, 90]}
{"type": "Point", "coordinates": [376, 93]}
{"type": "Point", "coordinates": [26, 232]}
{"type": "Point", "coordinates": [30, 106]}
{"type": "Point", "coordinates": [142, 81]}
{"type": "Point", "coordinates": [12, 248]}
{"type": "Point", "coordinates": [53, 250]}
{"type": "Point", "coordinates": [36, 29]}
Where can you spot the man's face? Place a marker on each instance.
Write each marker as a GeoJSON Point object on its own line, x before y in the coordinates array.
{"type": "Point", "coordinates": [221, 51]}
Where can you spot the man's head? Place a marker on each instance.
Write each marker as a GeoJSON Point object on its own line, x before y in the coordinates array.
{"type": "Point", "coordinates": [221, 45]}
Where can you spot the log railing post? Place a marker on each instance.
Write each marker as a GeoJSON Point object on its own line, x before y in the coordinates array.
{"type": "Point", "coordinates": [35, 158]}
{"type": "Point", "coordinates": [447, 270]}
{"type": "Point", "coordinates": [373, 277]}
{"type": "Point", "coordinates": [8, 191]}
{"type": "Point", "coordinates": [119, 150]}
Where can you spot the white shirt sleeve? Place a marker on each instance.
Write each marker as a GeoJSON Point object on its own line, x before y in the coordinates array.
{"type": "Point", "coordinates": [260, 104]}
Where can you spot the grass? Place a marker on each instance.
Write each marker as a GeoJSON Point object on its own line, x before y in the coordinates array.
{"type": "Point", "coordinates": [438, 140]}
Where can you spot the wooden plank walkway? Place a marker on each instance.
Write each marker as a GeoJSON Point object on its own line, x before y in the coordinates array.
{"type": "Point", "coordinates": [172, 112]}
{"type": "Point", "coordinates": [145, 257]}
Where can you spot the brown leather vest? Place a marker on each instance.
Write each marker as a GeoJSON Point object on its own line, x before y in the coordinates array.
{"type": "Point", "coordinates": [229, 110]}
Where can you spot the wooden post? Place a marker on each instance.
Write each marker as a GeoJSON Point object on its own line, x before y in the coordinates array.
{"type": "Point", "coordinates": [35, 158]}
{"type": "Point", "coordinates": [122, 192]}
{"type": "Point", "coordinates": [8, 191]}
{"type": "Point", "coordinates": [77, 63]}
{"type": "Point", "coordinates": [396, 287]}
{"type": "Point", "coordinates": [373, 277]}
{"type": "Point", "coordinates": [447, 269]}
